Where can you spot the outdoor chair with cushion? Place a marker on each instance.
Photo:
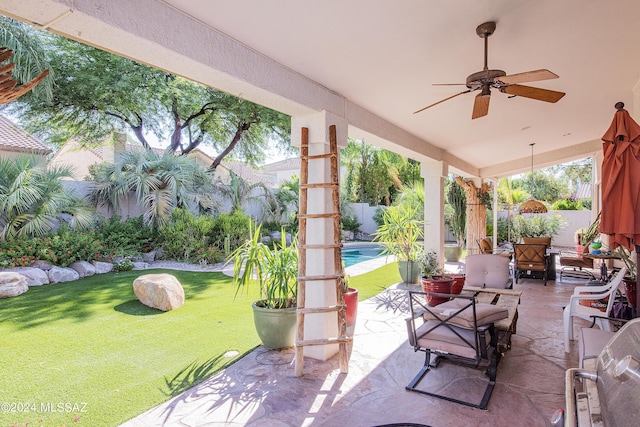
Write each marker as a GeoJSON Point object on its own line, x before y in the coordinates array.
{"type": "Point", "coordinates": [537, 241]}
{"type": "Point", "coordinates": [486, 247]}
{"type": "Point", "coordinates": [575, 265]}
{"type": "Point", "coordinates": [530, 258]}
{"type": "Point", "coordinates": [487, 271]}
{"type": "Point", "coordinates": [605, 293]}
{"type": "Point", "coordinates": [459, 331]}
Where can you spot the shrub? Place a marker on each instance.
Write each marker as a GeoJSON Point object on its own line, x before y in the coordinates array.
{"type": "Point", "coordinates": [229, 231]}
{"type": "Point", "coordinates": [350, 223]}
{"type": "Point", "coordinates": [125, 238]}
{"type": "Point", "coordinates": [184, 238]}
{"type": "Point", "coordinates": [567, 205]}
{"type": "Point", "coordinates": [536, 226]}
{"type": "Point", "coordinates": [123, 265]}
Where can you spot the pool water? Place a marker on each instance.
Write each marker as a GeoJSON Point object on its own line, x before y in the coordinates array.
{"type": "Point", "coordinates": [354, 254]}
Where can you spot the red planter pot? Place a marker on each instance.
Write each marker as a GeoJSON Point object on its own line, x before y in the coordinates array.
{"type": "Point", "coordinates": [439, 285]}
{"type": "Point", "coordinates": [458, 283]}
{"type": "Point", "coordinates": [351, 301]}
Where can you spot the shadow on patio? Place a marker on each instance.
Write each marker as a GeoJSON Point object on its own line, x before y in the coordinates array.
{"type": "Point", "coordinates": [261, 389]}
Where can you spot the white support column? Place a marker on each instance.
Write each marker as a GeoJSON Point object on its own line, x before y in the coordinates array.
{"type": "Point", "coordinates": [434, 174]}
{"type": "Point", "coordinates": [496, 209]}
{"type": "Point", "coordinates": [320, 262]}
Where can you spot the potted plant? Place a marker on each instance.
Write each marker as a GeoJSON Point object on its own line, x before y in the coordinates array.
{"type": "Point", "coordinates": [433, 281]}
{"type": "Point", "coordinates": [400, 235]}
{"type": "Point", "coordinates": [585, 236]}
{"type": "Point", "coordinates": [351, 303]}
{"type": "Point", "coordinates": [276, 272]}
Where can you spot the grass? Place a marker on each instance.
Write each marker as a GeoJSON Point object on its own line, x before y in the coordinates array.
{"type": "Point", "coordinates": [88, 348]}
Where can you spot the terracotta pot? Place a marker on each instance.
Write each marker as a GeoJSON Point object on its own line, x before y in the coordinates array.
{"type": "Point", "coordinates": [630, 289]}
{"type": "Point", "coordinates": [437, 284]}
{"type": "Point", "coordinates": [351, 301]}
{"type": "Point", "coordinates": [458, 283]}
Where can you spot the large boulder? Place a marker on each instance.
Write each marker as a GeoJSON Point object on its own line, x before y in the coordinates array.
{"type": "Point", "coordinates": [34, 276]}
{"type": "Point", "coordinates": [62, 274]}
{"type": "Point", "coordinates": [42, 264]}
{"type": "Point", "coordinates": [12, 284]}
{"type": "Point", "coordinates": [102, 267]}
{"type": "Point", "coordinates": [161, 291]}
{"type": "Point", "coordinates": [84, 268]}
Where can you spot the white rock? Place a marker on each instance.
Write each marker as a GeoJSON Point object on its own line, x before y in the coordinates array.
{"type": "Point", "coordinates": [161, 291]}
{"type": "Point", "coordinates": [102, 267]}
{"type": "Point", "coordinates": [34, 276]}
{"type": "Point", "coordinates": [12, 284]}
{"type": "Point", "coordinates": [83, 268]}
{"type": "Point", "coordinates": [62, 274]}
{"type": "Point", "coordinates": [137, 265]}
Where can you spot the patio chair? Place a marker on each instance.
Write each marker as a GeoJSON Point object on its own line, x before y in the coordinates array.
{"type": "Point", "coordinates": [605, 293]}
{"type": "Point", "coordinates": [575, 265]}
{"type": "Point", "coordinates": [488, 271]}
{"type": "Point", "coordinates": [460, 331]}
{"type": "Point", "coordinates": [530, 258]}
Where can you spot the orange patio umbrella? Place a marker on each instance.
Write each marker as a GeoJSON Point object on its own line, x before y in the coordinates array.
{"type": "Point", "coordinates": [621, 183]}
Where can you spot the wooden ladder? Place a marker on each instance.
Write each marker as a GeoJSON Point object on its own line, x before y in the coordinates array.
{"type": "Point", "coordinates": [338, 278]}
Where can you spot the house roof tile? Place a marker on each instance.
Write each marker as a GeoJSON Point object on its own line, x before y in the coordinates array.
{"type": "Point", "coordinates": [14, 138]}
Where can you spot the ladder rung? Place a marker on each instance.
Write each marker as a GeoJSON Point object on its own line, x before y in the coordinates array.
{"type": "Point", "coordinates": [318, 156]}
{"type": "Point", "coordinates": [321, 246]}
{"type": "Point", "coordinates": [323, 341]}
{"type": "Point", "coordinates": [319, 185]}
{"type": "Point", "coordinates": [314, 310]}
{"type": "Point", "coordinates": [320, 215]}
{"type": "Point", "coordinates": [328, 277]}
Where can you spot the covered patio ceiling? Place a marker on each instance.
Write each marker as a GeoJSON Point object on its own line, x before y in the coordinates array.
{"type": "Point", "coordinates": [374, 63]}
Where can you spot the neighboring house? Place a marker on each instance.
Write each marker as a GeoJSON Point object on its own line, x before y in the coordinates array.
{"type": "Point", "coordinates": [15, 141]}
{"type": "Point", "coordinates": [283, 170]}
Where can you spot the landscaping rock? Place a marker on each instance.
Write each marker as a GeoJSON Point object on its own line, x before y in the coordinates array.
{"type": "Point", "coordinates": [161, 291]}
{"type": "Point", "coordinates": [12, 284]}
{"type": "Point", "coordinates": [137, 265]}
{"type": "Point", "coordinates": [102, 267]}
{"type": "Point", "coordinates": [62, 274]}
{"type": "Point", "coordinates": [34, 276]}
{"type": "Point", "coordinates": [42, 265]}
{"type": "Point", "coordinates": [83, 268]}
{"type": "Point", "coordinates": [149, 256]}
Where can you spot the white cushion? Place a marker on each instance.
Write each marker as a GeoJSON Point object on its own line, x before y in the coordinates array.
{"type": "Point", "coordinates": [487, 270]}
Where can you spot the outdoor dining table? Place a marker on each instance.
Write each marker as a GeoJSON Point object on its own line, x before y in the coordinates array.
{"type": "Point", "coordinates": [506, 298]}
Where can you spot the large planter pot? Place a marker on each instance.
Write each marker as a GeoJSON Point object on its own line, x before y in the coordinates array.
{"type": "Point", "coordinates": [452, 253]}
{"type": "Point", "coordinates": [410, 271]}
{"type": "Point", "coordinates": [439, 285]}
{"type": "Point", "coordinates": [458, 283]}
{"type": "Point", "coordinates": [276, 327]}
{"type": "Point", "coordinates": [631, 289]}
{"type": "Point", "coordinates": [351, 301]}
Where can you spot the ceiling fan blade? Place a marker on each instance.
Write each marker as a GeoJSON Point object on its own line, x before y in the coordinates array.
{"type": "Point", "coordinates": [545, 95]}
{"type": "Point", "coordinates": [449, 84]}
{"type": "Point", "coordinates": [441, 101]}
{"type": "Point", "coordinates": [529, 76]}
{"type": "Point", "coordinates": [480, 106]}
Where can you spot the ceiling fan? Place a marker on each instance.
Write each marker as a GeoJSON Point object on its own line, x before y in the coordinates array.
{"type": "Point", "coordinates": [487, 79]}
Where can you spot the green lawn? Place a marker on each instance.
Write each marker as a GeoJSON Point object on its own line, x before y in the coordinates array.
{"type": "Point", "coordinates": [89, 348]}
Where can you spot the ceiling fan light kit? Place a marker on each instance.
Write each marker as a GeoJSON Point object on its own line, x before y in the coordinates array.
{"type": "Point", "coordinates": [487, 79]}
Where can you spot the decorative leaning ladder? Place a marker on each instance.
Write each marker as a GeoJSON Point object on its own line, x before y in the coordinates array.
{"type": "Point", "coordinates": [338, 278]}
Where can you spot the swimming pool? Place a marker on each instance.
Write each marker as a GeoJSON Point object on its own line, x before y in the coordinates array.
{"type": "Point", "coordinates": [354, 254]}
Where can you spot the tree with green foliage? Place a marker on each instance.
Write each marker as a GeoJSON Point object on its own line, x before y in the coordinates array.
{"type": "Point", "coordinates": [161, 183]}
{"type": "Point", "coordinates": [456, 218]}
{"type": "Point", "coordinates": [33, 199]}
{"type": "Point", "coordinates": [239, 191]}
{"type": "Point", "coordinates": [96, 93]}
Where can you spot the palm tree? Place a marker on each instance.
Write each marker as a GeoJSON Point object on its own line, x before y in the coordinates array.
{"type": "Point", "coordinates": [32, 198]}
{"type": "Point", "coordinates": [28, 56]}
{"type": "Point", "coordinates": [239, 191]}
{"type": "Point", "coordinates": [160, 183]}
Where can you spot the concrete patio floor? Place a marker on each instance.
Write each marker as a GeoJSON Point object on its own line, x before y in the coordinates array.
{"type": "Point", "coordinates": [261, 389]}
